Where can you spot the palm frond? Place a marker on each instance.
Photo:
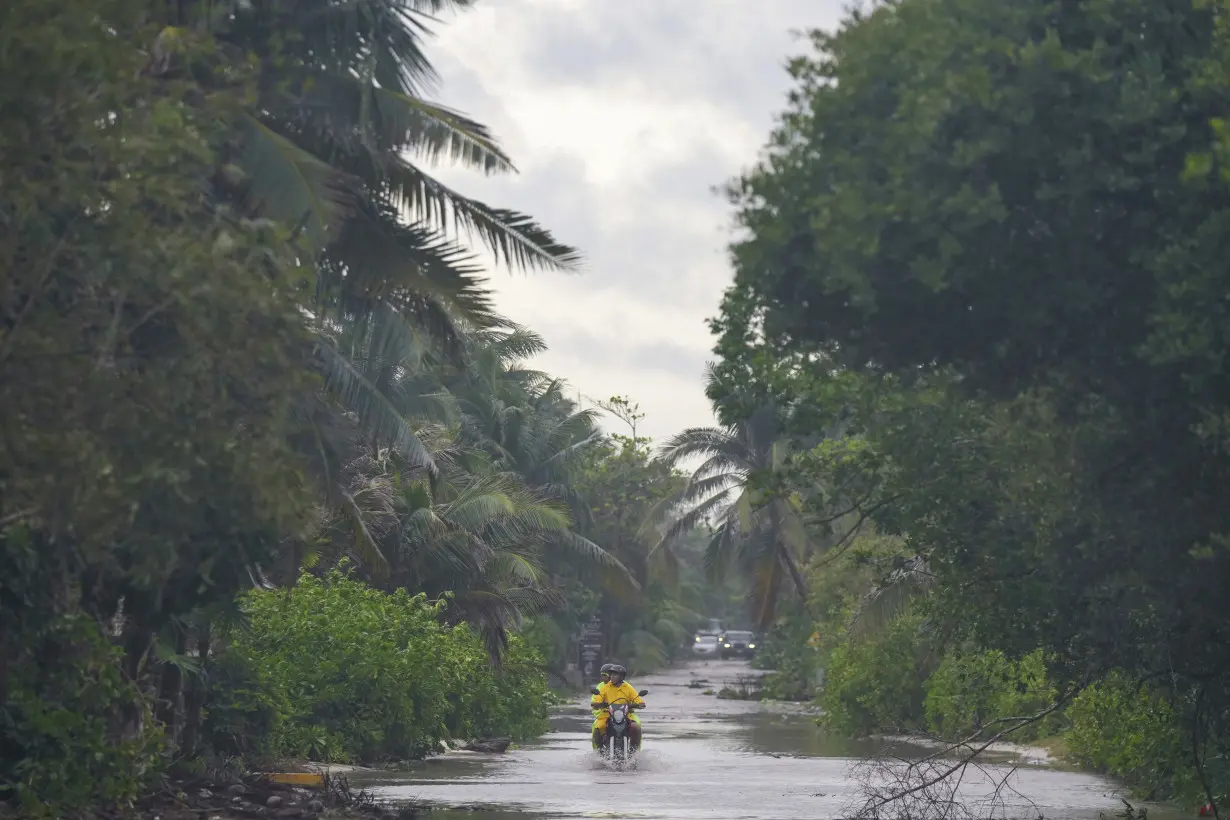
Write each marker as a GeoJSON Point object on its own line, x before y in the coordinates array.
{"type": "Point", "coordinates": [516, 569]}
{"type": "Point", "coordinates": [514, 239]}
{"type": "Point", "coordinates": [512, 342]}
{"type": "Point", "coordinates": [327, 440]}
{"type": "Point", "coordinates": [766, 588]}
{"type": "Point", "coordinates": [536, 600]}
{"type": "Point", "coordinates": [455, 556]}
{"type": "Point", "coordinates": [381, 38]}
{"type": "Point", "coordinates": [721, 465]}
{"type": "Point", "coordinates": [398, 121]}
{"type": "Point", "coordinates": [892, 597]}
{"type": "Point", "coordinates": [720, 551]}
{"type": "Point", "coordinates": [664, 564]}
{"type": "Point", "coordinates": [698, 489]}
{"type": "Point", "coordinates": [293, 186]}
{"type": "Point", "coordinates": [587, 551]}
{"type": "Point", "coordinates": [365, 547]}
{"type": "Point", "coordinates": [707, 441]}
{"type": "Point", "coordinates": [491, 615]}
{"type": "Point", "coordinates": [374, 411]}
{"type": "Point", "coordinates": [694, 517]}
{"type": "Point", "coordinates": [378, 259]}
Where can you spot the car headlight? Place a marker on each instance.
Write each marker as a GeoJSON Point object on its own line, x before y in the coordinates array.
{"type": "Point", "coordinates": [697, 639]}
{"type": "Point", "coordinates": [751, 646]}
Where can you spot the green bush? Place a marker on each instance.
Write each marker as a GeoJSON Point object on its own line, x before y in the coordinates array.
{"type": "Point", "coordinates": [335, 669]}
{"type": "Point", "coordinates": [876, 683]}
{"type": "Point", "coordinates": [971, 689]}
{"type": "Point", "coordinates": [512, 703]}
{"type": "Point", "coordinates": [241, 711]}
{"type": "Point", "coordinates": [1140, 735]}
{"type": "Point", "coordinates": [75, 734]}
{"type": "Point", "coordinates": [788, 652]}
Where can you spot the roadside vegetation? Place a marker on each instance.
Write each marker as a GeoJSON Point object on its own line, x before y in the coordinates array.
{"type": "Point", "coordinates": [979, 282]}
{"type": "Point", "coordinates": [276, 480]}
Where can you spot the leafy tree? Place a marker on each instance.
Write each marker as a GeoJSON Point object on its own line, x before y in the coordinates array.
{"type": "Point", "coordinates": [1139, 734]}
{"type": "Point", "coordinates": [149, 365]}
{"type": "Point", "coordinates": [994, 233]}
{"type": "Point", "coordinates": [337, 141]}
{"type": "Point", "coordinates": [877, 684]}
{"type": "Point", "coordinates": [195, 239]}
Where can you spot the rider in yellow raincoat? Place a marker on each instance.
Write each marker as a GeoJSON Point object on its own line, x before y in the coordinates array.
{"type": "Point", "coordinates": [619, 689]}
{"type": "Point", "coordinates": [601, 687]}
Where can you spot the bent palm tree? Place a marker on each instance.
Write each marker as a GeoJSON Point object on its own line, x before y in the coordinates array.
{"type": "Point", "coordinates": [767, 541]}
{"type": "Point", "coordinates": [340, 121]}
{"type": "Point", "coordinates": [334, 144]}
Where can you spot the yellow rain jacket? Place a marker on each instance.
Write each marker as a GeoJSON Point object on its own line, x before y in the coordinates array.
{"type": "Point", "coordinates": [596, 701]}
{"type": "Point", "coordinates": [609, 693]}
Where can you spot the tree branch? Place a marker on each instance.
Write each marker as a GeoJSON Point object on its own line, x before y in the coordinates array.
{"type": "Point", "coordinates": [915, 786]}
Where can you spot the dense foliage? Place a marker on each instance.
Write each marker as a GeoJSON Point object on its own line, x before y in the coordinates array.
{"type": "Point", "coordinates": [627, 488]}
{"type": "Point", "coordinates": [353, 674]}
{"type": "Point", "coordinates": [983, 257]}
{"type": "Point", "coordinates": [244, 341]}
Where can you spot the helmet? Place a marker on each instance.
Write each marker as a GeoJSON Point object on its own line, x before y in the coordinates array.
{"type": "Point", "coordinates": [606, 668]}
{"type": "Point", "coordinates": [616, 669]}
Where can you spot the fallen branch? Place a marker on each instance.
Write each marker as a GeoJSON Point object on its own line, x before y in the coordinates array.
{"type": "Point", "coordinates": [927, 788]}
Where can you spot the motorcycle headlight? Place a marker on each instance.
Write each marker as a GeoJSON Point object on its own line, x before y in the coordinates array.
{"type": "Point", "coordinates": [726, 645]}
{"type": "Point", "coordinates": [751, 646]}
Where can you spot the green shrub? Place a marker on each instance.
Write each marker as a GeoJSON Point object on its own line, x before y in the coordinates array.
{"type": "Point", "coordinates": [970, 690]}
{"type": "Point", "coordinates": [335, 669]}
{"type": "Point", "coordinates": [511, 704]}
{"type": "Point", "coordinates": [1137, 733]}
{"type": "Point", "coordinates": [241, 710]}
{"type": "Point", "coordinates": [787, 650]}
{"type": "Point", "coordinates": [75, 734]}
{"type": "Point", "coordinates": [876, 683]}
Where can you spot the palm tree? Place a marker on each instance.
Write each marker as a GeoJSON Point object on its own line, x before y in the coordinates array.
{"type": "Point", "coordinates": [332, 141]}
{"type": "Point", "coordinates": [765, 540]}
{"type": "Point", "coordinates": [470, 531]}
{"type": "Point", "coordinates": [335, 144]}
{"type": "Point", "coordinates": [522, 419]}
{"type": "Point", "coordinates": [480, 539]}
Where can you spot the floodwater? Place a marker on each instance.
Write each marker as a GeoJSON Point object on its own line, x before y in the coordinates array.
{"type": "Point", "coordinates": [709, 758]}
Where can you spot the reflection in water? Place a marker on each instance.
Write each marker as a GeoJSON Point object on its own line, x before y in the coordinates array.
{"type": "Point", "coordinates": [794, 733]}
{"type": "Point", "coordinates": [703, 758]}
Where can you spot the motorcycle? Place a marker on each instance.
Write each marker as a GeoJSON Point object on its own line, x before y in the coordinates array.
{"type": "Point", "coordinates": [616, 744]}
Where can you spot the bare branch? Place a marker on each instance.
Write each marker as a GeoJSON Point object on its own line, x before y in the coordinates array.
{"type": "Point", "coordinates": [927, 788]}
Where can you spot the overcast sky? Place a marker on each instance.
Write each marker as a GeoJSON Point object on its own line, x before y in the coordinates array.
{"type": "Point", "coordinates": [621, 116]}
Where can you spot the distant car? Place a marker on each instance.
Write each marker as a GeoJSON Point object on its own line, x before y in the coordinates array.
{"type": "Point", "coordinates": [705, 645]}
{"type": "Point", "coordinates": [737, 644]}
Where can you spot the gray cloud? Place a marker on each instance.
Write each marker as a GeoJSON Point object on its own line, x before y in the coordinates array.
{"type": "Point", "coordinates": [661, 354]}
{"type": "Point", "coordinates": [623, 116]}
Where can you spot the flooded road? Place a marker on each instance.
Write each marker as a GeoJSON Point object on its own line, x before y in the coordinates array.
{"type": "Point", "coordinates": [702, 758]}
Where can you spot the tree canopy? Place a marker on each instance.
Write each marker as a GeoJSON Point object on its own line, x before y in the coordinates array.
{"type": "Point", "coordinates": [986, 243]}
{"type": "Point", "coordinates": [250, 368]}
